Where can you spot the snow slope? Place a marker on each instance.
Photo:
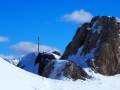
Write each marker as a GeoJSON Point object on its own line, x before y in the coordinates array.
{"type": "Point", "coordinates": [28, 62]}
{"type": "Point", "coordinates": [14, 78]}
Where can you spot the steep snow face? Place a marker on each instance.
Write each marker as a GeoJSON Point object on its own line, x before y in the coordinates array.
{"type": "Point", "coordinates": [28, 61]}
{"type": "Point", "coordinates": [14, 78]}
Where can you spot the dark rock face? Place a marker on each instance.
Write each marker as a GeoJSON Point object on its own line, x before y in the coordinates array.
{"type": "Point", "coordinates": [69, 70]}
{"type": "Point", "coordinates": [58, 68]}
{"type": "Point", "coordinates": [43, 59]}
{"type": "Point", "coordinates": [48, 69]}
{"type": "Point", "coordinates": [78, 41]}
{"type": "Point", "coordinates": [91, 64]}
{"type": "Point", "coordinates": [118, 54]}
{"type": "Point", "coordinates": [106, 53]}
{"type": "Point", "coordinates": [101, 34]}
{"type": "Point", "coordinates": [75, 72]}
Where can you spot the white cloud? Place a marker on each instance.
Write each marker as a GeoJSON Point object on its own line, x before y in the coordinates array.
{"type": "Point", "coordinates": [7, 56]}
{"type": "Point", "coordinates": [27, 47]}
{"type": "Point", "coordinates": [78, 16]}
{"type": "Point", "coordinates": [3, 39]}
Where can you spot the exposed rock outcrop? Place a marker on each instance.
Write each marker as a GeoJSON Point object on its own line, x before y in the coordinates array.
{"type": "Point", "coordinates": [43, 59]}
{"type": "Point", "coordinates": [57, 69]}
{"type": "Point", "coordinates": [62, 68]}
{"type": "Point", "coordinates": [78, 41]}
{"type": "Point", "coordinates": [102, 36]}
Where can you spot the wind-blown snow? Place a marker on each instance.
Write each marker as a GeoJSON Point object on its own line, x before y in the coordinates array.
{"type": "Point", "coordinates": [14, 78]}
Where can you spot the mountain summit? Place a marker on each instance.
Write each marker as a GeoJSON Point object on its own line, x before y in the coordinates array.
{"type": "Point", "coordinates": [97, 42]}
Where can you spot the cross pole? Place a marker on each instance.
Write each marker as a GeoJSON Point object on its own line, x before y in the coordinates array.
{"type": "Point", "coordinates": [38, 43]}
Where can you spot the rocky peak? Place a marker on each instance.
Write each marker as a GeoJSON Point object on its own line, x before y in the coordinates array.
{"type": "Point", "coordinates": [80, 37]}
{"type": "Point", "coordinates": [94, 19]}
{"type": "Point", "coordinates": [100, 37]}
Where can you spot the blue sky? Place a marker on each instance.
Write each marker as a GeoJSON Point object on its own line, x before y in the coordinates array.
{"type": "Point", "coordinates": [54, 21]}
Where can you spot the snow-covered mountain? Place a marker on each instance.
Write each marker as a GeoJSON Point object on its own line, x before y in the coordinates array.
{"type": "Point", "coordinates": [13, 61]}
{"type": "Point", "coordinates": [28, 61]}
{"type": "Point", "coordinates": [14, 78]}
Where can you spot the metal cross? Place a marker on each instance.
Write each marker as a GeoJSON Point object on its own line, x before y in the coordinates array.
{"type": "Point", "coordinates": [38, 43]}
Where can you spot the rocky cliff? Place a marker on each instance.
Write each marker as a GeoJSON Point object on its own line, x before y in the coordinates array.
{"type": "Point", "coordinates": [98, 41]}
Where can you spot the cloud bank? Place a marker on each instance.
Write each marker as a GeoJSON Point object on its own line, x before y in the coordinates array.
{"type": "Point", "coordinates": [3, 39]}
{"type": "Point", "coordinates": [78, 16]}
{"type": "Point", "coordinates": [27, 47]}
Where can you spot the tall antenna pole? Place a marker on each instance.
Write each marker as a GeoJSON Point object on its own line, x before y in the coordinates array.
{"type": "Point", "coordinates": [38, 43]}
